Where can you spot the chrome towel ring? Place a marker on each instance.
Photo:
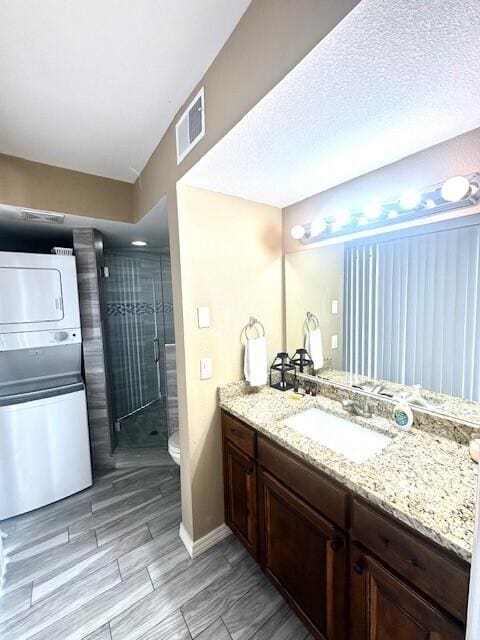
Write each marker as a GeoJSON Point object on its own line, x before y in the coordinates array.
{"type": "Point", "coordinates": [252, 324]}
{"type": "Point", "coordinates": [308, 322]}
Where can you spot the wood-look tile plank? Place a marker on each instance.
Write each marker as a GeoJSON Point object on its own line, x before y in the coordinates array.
{"type": "Point", "coordinates": [174, 562]}
{"type": "Point", "coordinates": [142, 555]}
{"type": "Point", "coordinates": [106, 516]}
{"type": "Point", "coordinates": [31, 569]}
{"type": "Point", "coordinates": [150, 611]}
{"type": "Point", "coordinates": [15, 602]}
{"type": "Point", "coordinates": [39, 546]}
{"type": "Point", "coordinates": [71, 598]}
{"type": "Point", "coordinates": [142, 479]}
{"type": "Point", "coordinates": [113, 497]}
{"type": "Point", "coordinates": [283, 625]}
{"type": "Point", "coordinates": [99, 610]}
{"type": "Point", "coordinates": [169, 485]}
{"type": "Point", "coordinates": [233, 549]}
{"type": "Point", "coordinates": [168, 519]}
{"type": "Point", "coordinates": [217, 631]}
{"type": "Point", "coordinates": [251, 612]}
{"type": "Point", "coordinates": [220, 596]}
{"type": "Point", "coordinates": [100, 634]}
{"type": "Point", "coordinates": [140, 515]}
{"type": "Point", "coordinates": [28, 532]}
{"type": "Point", "coordinates": [172, 628]}
{"type": "Point", "coordinates": [88, 563]}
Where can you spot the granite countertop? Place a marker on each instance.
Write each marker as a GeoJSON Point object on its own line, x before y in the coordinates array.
{"type": "Point", "coordinates": [426, 481]}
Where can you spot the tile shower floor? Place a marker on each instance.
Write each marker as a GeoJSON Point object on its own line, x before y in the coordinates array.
{"type": "Point", "coordinates": [147, 428]}
{"type": "Point", "coordinates": [107, 564]}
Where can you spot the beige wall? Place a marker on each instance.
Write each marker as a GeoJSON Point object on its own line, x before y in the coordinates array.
{"type": "Point", "coordinates": [231, 261]}
{"type": "Point", "coordinates": [40, 186]}
{"type": "Point", "coordinates": [270, 39]}
{"type": "Point", "coordinates": [460, 155]}
{"type": "Point", "coordinates": [312, 280]}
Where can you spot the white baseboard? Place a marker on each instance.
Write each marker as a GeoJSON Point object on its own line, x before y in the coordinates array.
{"type": "Point", "coordinates": [198, 547]}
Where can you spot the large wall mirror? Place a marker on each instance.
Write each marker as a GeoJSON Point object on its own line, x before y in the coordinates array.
{"type": "Point", "coordinates": [394, 311]}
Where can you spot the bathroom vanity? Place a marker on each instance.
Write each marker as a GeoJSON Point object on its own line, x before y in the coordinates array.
{"type": "Point", "coordinates": [375, 550]}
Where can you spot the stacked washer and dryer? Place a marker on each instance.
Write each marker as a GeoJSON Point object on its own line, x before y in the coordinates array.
{"type": "Point", "coordinates": [44, 439]}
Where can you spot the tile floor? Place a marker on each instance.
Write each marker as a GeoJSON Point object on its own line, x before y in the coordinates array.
{"type": "Point", "coordinates": [107, 564]}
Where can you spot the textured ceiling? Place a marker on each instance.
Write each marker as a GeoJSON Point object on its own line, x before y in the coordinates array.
{"type": "Point", "coordinates": [92, 85]}
{"type": "Point", "coordinates": [391, 79]}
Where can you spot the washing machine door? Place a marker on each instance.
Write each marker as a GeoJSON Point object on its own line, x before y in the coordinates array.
{"type": "Point", "coordinates": [44, 448]}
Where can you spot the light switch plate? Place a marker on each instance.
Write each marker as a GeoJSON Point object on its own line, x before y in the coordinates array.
{"type": "Point", "coordinates": [335, 342]}
{"type": "Point", "coordinates": [203, 317]}
{"type": "Point", "coordinates": [205, 368]}
{"type": "Point", "coordinates": [335, 307]}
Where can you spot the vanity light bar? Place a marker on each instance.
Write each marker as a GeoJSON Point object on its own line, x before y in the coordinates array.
{"type": "Point", "coordinates": [455, 193]}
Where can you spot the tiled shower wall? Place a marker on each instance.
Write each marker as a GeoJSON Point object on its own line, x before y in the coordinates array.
{"type": "Point", "coordinates": [88, 248]}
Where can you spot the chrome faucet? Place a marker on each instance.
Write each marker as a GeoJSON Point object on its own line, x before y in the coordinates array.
{"type": "Point", "coordinates": [355, 409]}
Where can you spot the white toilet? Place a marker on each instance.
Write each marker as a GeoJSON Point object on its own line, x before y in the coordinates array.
{"type": "Point", "coordinates": [174, 447]}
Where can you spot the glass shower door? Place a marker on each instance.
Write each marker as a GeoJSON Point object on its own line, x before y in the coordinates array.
{"type": "Point", "coordinates": [135, 348]}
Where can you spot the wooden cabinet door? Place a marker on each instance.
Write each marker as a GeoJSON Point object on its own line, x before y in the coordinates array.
{"type": "Point", "coordinates": [386, 608]}
{"type": "Point", "coordinates": [240, 495]}
{"type": "Point", "coordinates": [305, 557]}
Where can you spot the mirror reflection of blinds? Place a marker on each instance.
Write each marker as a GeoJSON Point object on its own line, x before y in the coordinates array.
{"type": "Point", "coordinates": [411, 311]}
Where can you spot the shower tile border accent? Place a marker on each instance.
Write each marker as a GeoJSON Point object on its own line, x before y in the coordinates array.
{"type": "Point", "coordinates": [137, 308]}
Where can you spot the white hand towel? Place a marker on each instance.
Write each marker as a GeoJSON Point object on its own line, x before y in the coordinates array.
{"type": "Point", "coordinates": [255, 364]}
{"type": "Point", "coordinates": [313, 344]}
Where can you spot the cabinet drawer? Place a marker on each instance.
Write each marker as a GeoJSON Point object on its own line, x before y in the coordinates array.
{"type": "Point", "coordinates": [241, 435]}
{"type": "Point", "coordinates": [330, 500]}
{"type": "Point", "coordinates": [423, 565]}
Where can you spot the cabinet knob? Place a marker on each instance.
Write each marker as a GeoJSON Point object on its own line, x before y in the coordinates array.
{"type": "Point", "coordinates": [358, 568]}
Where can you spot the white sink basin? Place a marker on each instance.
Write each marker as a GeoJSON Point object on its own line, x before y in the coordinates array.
{"type": "Point", "coordinates": [342, 436]}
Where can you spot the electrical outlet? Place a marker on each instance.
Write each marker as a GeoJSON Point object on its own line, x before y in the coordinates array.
{"type": "Point", "coordinates": [205, 368]}
{"type": "Point", "coordinates": [335, 307]}
{"type": "Point", "coordinates": [335, 342]}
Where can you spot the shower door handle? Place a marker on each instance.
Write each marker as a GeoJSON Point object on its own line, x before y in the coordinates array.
{"type": "Point", "coordinates": [156, 349]}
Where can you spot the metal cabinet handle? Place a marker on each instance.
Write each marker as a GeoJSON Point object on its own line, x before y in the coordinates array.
{"type": "Point", "coordinates": [358, 568]}
{"type": "Point", "coordinates": [156, 349]}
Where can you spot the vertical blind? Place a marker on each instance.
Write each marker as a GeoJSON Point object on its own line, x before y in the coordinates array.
{"type": "Point", "coordinates": [411, 310]}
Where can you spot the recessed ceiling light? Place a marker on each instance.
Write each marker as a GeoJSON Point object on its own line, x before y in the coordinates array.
{"type": "Point", "coordinates": [139, 243]}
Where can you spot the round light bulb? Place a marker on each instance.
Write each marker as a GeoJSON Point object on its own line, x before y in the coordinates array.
{"type": "Point", "coordinates": [342, 218]}
{"type": "Point", "coordinates": [456, 188]}
{"type": "Point", "coordinates": [372, 210]}
{"type": "Point", "coordinates": [392, 214]}
{"type": "Point", "coordinates": [336, 226]}
{"type": "Point", "coordinates": [317, 227]}
{"type": "Point", "coordinates": [430, 203]}
{"type": "Point", "coordinates": [363, 220]}
{"type": "Point", "coordinates": [411, 199]}
{"type": "Point", "coordinates": [139, 243]}
{"type": "Point", "coordinates": [297, 232]}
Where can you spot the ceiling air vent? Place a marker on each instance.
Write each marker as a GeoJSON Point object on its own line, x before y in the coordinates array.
{"type": "Point", "coordinates": [32, 215]}
{"type": "Point", "coordinates": [190, 129]}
